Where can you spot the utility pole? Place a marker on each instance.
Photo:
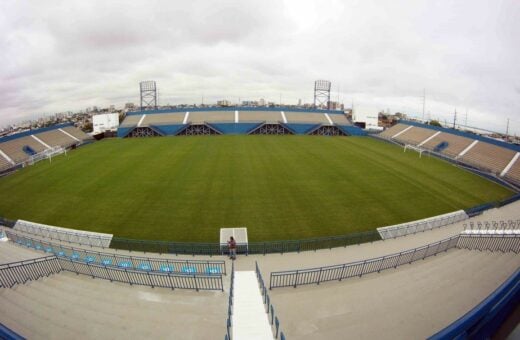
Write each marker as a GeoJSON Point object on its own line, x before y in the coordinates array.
{"type": "Point", "coordinates": [423, 103]}
{"type": "Point", "coordinates": [455, 118]}
{"type": "Point", "coordinates": [507, 129]}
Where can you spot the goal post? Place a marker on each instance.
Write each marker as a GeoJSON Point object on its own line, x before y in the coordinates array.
{"type": "Point", "coordinates": [414, 148]}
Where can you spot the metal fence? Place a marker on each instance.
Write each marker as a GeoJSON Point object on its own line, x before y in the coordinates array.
{"type": "Point", "coordinates": [251, 248]}
{"type": "Point", "coordinates": [121, 261]}
{"type": "Point", "coordinates": [23, 271]}
{"type": "Point", "coordinates": [339, 272]}
{"type": "Point", "coordinates": [144, 278]}
{"type": "Point", "coordinates": [421, 225]}
{"type": "Point", "coordinates": [273, 319]}
{"type": "Point", "coordinates": [491, 242]}
{"type": "Point", "coordinates": [501, 225]}
{"type": "Point", "coordinates": [229, 325]}
{"type": "Point", "coordinates": [62, 234]}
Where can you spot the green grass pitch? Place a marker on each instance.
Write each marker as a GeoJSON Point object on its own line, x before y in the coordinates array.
{"type": "Point", "coordinates": [279, 187]}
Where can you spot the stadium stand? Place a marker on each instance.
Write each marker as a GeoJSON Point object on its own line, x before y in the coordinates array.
{"type": "Point", "coordinates": [66, 305]}
{"type": "Point", "coordinates": [56, 138]}
{"type": "Point", "coordinates": [4, 164]}
{"type": "Point", "coordinates": [453, 147]}
{"type": "Point", "coordinates": [21, 147]}
{"type": "Point", "coordinates": [212, 116]}
{"type": "Point", "coordinates": [299, 117]}
{"type": "Point", "coordinates": [15, 148]}
{"type": "Point", "coordinates": [12, 253]}
{"type": "Point", "coordinates": [488, 157]}
{"type": "Point", "coordinates": [514, 172]}
{"type": "Point", "coordinates": [415, 135]}
{"type": "Point", "coordinates": [483, 153]}
{"type": "Point", "coordinates": [163, 119]}
{"type": "Point", "coordinates": [389, 133]}
{"type": "Point", "coordinates": [77, 133]}
{"type": "Point", "coordinates": [339, 119]}
{"type": "Point", "coordinates": [260, 116]}
{"type": "Point", "coordinates": [440, 283]}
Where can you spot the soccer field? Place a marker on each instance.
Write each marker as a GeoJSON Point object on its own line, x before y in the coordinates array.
{"type": "Point", "coordinates": [279, 187]}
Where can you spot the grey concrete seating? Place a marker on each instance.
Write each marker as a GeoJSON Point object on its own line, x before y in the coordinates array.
{"type": "Point", "coordinates": [415, 135]}
{"type": "Point", "coordinates": [488, 157]}
{"type": "Point", "coordinates": [389, 133]}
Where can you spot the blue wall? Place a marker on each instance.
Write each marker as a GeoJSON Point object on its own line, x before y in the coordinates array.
{"type": "Point", "coordinates": [234, 128]}
{"type": "Point", "coordinates": [352, 130]}
{"type": "Point", "coordinates": [168, 130]}
{"type": "Point", "coordinates": [33, 132]}
{"type": "Point", "coordinates": [464, 134]}
{"type": "Point", "coordinates": [301, 129]}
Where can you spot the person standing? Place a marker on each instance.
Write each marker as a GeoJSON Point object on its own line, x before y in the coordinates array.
{"type": "Point", "coordinates": [232, 245]}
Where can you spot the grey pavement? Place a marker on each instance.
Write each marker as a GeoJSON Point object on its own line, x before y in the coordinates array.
{"type": "Point", "coordinates": [68, 306]}
{"type": "Point", "coordinates": [410, 302]}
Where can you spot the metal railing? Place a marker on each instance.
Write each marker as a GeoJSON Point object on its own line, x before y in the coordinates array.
{"type": "Point", "coordinates": [229, 325]}
{"type": "Point", "coordinates": [57, 233]}
{"type": "Point", "coordinates": [252, 247]}
{"type": "Point", "coordinates": [339, 272]}
{"type": "Point", "coordinates": [22, 271]}
{"type": "Point", "coordinates": [421, 225]}
{"type": "Point", "coordinates": [501, 225]}
{"type": "Point", "coordinates": [273, 319]}
{"type": "Point", "coordinates": [121, 261]}
{"type": "Point", "coordinates": [144, 278]}
{"type": "Point", "coordinates": [491, 242]}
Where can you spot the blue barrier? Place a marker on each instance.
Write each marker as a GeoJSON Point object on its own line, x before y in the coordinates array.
{"type": "Point", "coordinates": [352, 130]}
{"type": "Point", "coordinates": [7, 334]}
{"type": "Point", "coordinates": [300, 129]}
{"type": "Point", "coordinates": [167, 130]}
{"type": "Point", "coordinates": [234, 128]}
{"type": "Point", "coordinates": [229, 325]}
{"type": "Point", "coordinates": [479, 209]}
{"type": "Point", "coordinates": [484, 320]}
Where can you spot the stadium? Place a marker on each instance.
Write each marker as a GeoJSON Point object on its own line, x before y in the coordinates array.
{"type": "Point", "coordinates": [340, 232]}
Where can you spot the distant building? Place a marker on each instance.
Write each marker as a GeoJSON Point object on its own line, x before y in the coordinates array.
{"type": "Point", "coordinates": [129, 106]}
{"type": "Point", "coordinates": [261, 102]}
{"type": "Point", "coordinates": [223, 102]}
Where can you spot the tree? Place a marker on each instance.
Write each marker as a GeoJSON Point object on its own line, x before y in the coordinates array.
{"type": "Point", "coordinates": [435, 123]}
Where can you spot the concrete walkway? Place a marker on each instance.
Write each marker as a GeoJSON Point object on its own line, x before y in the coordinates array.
{"type": "Point", "coordinates": [250, 320]}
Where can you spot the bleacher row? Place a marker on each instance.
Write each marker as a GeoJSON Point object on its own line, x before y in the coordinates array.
{"type": "Point", "coordinates": [18, 149]}
{"type": "Point", "coordinates": [489, 156]}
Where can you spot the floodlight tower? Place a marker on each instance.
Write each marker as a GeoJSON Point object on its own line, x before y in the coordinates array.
{"type": "Point", "coordinates": [322, 93]}
{"type": "Point", "coordinates": [148, 95]}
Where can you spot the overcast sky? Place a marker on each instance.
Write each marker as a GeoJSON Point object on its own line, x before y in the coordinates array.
{"type": "Point", "coordinates": [68, 55]}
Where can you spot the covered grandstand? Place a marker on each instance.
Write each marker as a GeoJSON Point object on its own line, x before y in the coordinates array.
{"type": "Point", "coordinates": [237, 120]}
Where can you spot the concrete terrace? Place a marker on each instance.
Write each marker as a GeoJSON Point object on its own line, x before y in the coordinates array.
{"type": "Point", "coordinates": [412, 301]}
